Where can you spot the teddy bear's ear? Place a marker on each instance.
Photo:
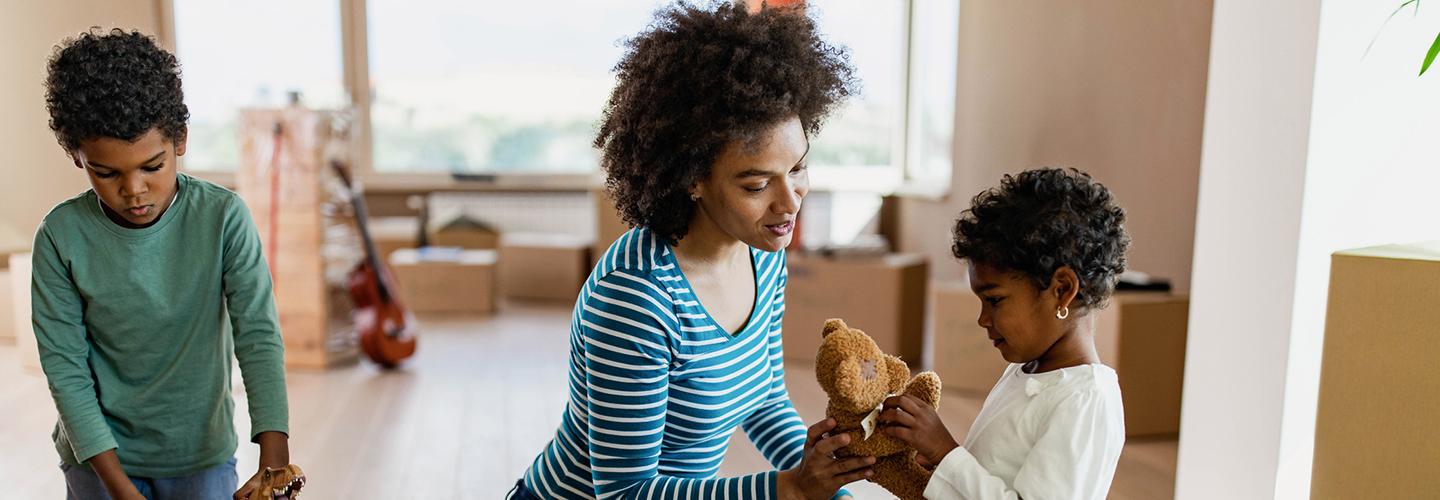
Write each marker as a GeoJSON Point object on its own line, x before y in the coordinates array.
{"type": "Point", "coordinates": [832, 325]}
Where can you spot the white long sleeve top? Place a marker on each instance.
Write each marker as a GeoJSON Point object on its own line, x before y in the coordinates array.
{"type": "Point", "coordinates": [1053, 435]}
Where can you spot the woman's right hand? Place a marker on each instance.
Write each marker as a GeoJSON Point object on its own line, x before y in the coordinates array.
{"type": "Point", "coordinates": [819, 474]}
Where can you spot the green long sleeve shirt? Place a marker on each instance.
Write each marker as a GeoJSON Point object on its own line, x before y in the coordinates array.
{"type": "Point", "coordinates": [131, 326]}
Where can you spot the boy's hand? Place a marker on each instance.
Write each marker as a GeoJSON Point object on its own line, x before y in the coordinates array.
{"type": "Point", "coordinates": [911, 420]}
{"type": "Point", "coordinates": [107, 466]}
{"type": "Point", "coordinates": [274, 452]}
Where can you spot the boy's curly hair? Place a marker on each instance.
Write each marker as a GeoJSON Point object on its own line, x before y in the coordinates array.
{"type": "Point", "coordinates": [113, 84]}
{"type": "Point", "coordinates": [697, 79]}
{"type": "Point", "coordinates": [1040, 220]}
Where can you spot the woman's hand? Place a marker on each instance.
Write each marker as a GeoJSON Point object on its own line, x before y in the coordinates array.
{"type": "Point", "coordinates": [819, 474]}
{"type": "Point", "coordinates": [912, 421]}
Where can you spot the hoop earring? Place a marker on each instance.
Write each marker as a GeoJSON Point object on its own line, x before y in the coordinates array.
{"type": "Point", "coordinates": [1062, 313]}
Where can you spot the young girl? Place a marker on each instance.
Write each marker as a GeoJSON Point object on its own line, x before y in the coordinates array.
{"type": "Point", "coordinates": [1044, 250]}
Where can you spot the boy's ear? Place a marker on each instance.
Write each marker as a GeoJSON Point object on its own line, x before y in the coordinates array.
{"type": "Point", "coordinates": [180, 142]}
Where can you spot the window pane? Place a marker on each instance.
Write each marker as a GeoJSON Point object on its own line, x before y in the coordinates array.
{"type": "Point", "coordinates": [864, 132]}
{"type": "Point", "coordinates": [934, 49]}
{"type": "Point", "coordinates": [493, 86]}
{"type": "Point", "coordinates": [252, 53]}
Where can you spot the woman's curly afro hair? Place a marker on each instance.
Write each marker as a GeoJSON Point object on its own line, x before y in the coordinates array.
{"type": "Point", "coordinates": [114, 84]}
{"type": "Point", "coordinates": [697, 79]}
{"type": "Point", "coordinates": [1040, 220]}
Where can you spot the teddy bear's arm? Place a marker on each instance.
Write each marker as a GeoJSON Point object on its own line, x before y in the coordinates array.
{"type": "Point", "coordinates": [898, 376]}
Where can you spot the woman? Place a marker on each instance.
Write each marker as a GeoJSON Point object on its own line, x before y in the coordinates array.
{"type": "Point", "coordinates": [675, 338]}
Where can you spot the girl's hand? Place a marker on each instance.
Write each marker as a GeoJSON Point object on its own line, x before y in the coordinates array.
{"type": "Point", "coordinates": [916, 424]}
{"type": "Point", "coordinates": [819, 474]}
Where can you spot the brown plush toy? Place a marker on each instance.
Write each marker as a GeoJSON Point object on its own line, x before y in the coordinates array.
{"type": "Point", "coordinates": [283, 483]}
{"type": "Point", "coordinates": [858, 376]}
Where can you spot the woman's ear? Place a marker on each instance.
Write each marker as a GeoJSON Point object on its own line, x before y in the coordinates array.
{"type": "Point", "coordinates": [695, 189]}
{"type": "Point", "coordinates": [1064, 286]}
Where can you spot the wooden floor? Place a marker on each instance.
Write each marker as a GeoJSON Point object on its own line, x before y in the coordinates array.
{"type": "Point", "coordinates": [463, 420]}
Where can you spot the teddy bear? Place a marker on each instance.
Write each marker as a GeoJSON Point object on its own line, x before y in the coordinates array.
{"type": "Point", "coordinates": [857, 376]}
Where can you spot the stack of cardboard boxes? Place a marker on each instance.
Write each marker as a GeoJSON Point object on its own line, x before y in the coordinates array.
{"type": "Point", "coordinates": [445, 279]}
{"type": "Point", "coordinates": [470, 266]}
{"type": "Point", "coordinates": [883, 295]}
{"type": "Point", "coordinates": [546, 267]}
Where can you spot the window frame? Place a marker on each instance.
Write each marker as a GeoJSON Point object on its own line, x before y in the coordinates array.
{"type": "Point", "coordinates": [354, 25]}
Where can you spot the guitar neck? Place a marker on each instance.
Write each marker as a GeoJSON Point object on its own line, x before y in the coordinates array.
{"type": "Point", "coordinates": [362, 220]}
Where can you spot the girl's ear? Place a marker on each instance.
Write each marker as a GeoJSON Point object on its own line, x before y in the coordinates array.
{"type": "Point", "coordinates": [1064, 286]}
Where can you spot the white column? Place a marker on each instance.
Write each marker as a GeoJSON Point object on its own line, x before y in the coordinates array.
{"type": "Point", "coordinates": [1311, 146]}
{"type": "Point", "coordinates": [1252, 175]}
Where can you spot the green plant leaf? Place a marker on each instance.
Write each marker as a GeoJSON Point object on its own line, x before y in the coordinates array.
{"type": "Point", "coordinates": [1430, 56]}
{"type": "Point", "coordinates": [1387, 21]}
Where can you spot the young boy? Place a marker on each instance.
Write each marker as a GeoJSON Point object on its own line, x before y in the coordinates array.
{"type": "Point", "coordinates": [133, 281]}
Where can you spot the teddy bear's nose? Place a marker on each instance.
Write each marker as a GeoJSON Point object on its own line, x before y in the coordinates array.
{"type": "Point", "coordinates": [867, 369]}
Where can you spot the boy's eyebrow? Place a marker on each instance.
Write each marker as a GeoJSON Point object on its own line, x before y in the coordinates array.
{"type": "Point", "coordinates": [152, 158]}
{"type": "Point", "coordinates": [985, 288]}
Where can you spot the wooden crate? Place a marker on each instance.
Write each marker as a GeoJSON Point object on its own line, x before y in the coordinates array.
{"type": "Point", "coordinates": [292, 211]}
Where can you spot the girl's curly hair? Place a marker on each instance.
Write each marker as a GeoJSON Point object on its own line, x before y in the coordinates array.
{"type": "Point", "coordinates": [1040, 220]}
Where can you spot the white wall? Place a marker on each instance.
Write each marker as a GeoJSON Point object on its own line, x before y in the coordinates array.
{"type": "Point", "coordinates": [1252, 173]}
{"type": "Point", "coordinates": [37, 174]}
{"type": "Point", "coordinates": [1308, 149]}
{"type": "Point", "coordinates": [1113, 87]}
{"type": "Point", "coordinates": [1372, 179]}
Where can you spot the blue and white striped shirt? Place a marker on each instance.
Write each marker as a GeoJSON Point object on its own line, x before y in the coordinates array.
{"type": "Point", "coordinates": [657, 387]}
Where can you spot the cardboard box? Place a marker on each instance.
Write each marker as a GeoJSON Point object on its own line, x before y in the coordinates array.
{"type": "Point", "coordinates": [11, 242]}
{"type": "Point", "coordinates": [445, 280]}
{"type": "Point", "coordinates": [19, 285]}
{"type": "Point", "coordinates": [965, 358]}
{"type": "Point", "coordinates": [465, 232]}
{"type": "Point", "coordinates": [7, 305]}
{"type": "Point", "coordinates": [1142, 335]}
{"type": "Point", "coordinates": [543, 266]}
{"type": "Point", "coordinates": [608, 224]}
{"type": "Point", "coordinates": [1375, 429]}
{"type": "Point", "coordinates": [393, 233]}
{"type": "Point", "coordinates": [883, 295]}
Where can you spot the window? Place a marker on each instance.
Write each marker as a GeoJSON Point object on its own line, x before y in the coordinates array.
{"type": "Point", "coordinates": [934, 53]}
{"type": "Point", "coordinates": [464, 86]}
{"type": "Point", "coordinates": [229, 62]}
{"type": "Point", "coordinates": [860, 145]}
{"type": "Point", "coordinates": [457, 86]}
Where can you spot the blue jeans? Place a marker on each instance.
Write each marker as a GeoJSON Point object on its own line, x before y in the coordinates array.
{"type": "Point", "coordinates": [216, 483]}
